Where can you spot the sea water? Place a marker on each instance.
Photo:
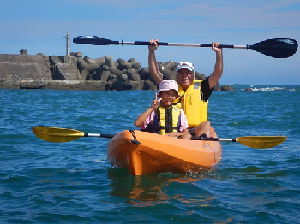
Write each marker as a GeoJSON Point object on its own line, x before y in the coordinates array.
{"type": "Point", "coordinates": [72, 182]}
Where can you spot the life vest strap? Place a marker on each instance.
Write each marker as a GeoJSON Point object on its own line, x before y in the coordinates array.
{"type": "Point", "coordinates": [163, 127]}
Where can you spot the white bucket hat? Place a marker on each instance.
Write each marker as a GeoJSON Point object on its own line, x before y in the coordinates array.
{"type": "Point", "coordinates": [167, 85]}
{"type": "Point", "coordinates": [187, 65]}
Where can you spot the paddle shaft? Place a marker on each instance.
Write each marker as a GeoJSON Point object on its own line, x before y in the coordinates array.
{"type": "Point", "coordinates": [98, 135]}
{"type": "Point", "coordinates": [215, 139]}
{"type": "Point", "coordinates": [180, 44]}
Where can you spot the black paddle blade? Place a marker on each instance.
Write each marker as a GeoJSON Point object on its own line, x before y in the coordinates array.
{"type": "Point", "coordinates": [276, 48]}
{"type": "Point", "coordinates": [93, 40]}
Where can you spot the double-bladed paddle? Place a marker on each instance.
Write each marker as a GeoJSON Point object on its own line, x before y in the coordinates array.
{"type": "Point", "coordinates": [276, 47]}
{"type": "Point", "coordinates": [54, 134]}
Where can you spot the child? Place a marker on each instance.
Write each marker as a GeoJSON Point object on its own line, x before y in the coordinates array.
{"type": "Point", "coordinates": [163, 117]}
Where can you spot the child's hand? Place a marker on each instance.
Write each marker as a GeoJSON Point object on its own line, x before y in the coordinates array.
{"type": "Point", "coordinates": [155, 102]}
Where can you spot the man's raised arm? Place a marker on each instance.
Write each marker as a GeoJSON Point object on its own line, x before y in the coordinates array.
{"type": "Point", "coordinates": [219, 65]}
{"type": "Point", "coordinates": [153, 65]}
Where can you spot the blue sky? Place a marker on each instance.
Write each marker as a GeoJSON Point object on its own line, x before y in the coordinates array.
{"type": "Point", "coordinates": [39, 26]}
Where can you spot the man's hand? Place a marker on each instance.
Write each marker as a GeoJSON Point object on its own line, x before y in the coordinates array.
{"type": "Point", "coordinates": [154, 44]}
{"type": "Point", "coordinates": [215, 46]}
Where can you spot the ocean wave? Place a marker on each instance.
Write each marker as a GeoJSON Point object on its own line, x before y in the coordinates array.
{"type": "Point", "coordinates": [268, 89]}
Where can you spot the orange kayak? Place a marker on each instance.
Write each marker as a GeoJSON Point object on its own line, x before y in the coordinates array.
{"type": "Point", "coordinates": [160, 153]}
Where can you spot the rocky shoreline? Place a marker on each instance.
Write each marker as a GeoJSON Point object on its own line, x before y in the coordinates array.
{"type": "Point", "coordinates": [75, 72]}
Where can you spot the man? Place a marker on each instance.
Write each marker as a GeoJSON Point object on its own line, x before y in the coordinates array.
{"type": "Point", "coordinates": [194, 93]}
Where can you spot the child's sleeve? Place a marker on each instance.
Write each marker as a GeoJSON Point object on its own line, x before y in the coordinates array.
{"type": "Point", "coordinates": [148, 120]}
{"type": "Point", "coordinates": [184, 122]}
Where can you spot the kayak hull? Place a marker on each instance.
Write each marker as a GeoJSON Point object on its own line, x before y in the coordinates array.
{"type": "Point", "coordinates": [159, 153]}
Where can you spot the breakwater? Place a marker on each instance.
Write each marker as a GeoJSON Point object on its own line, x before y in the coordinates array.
{"type": "Point", "coordinates": [81, 73]}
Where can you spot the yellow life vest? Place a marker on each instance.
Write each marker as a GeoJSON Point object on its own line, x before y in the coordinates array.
{"type": "Point", "coordinates": [191, 102]}
{"type": "Point", "coordinates": [168, 119]}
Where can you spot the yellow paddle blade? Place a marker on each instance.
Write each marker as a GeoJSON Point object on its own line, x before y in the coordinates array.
{"type": "Point", "coordinates": [53, 134]}
{"type": "Point", "coordinates": [261, 142]}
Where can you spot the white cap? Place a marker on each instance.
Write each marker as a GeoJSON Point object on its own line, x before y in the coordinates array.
{"type": "Point", "coordinates": [167, 85]}
{"type": "Point", "coordinates": [187, 65]}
